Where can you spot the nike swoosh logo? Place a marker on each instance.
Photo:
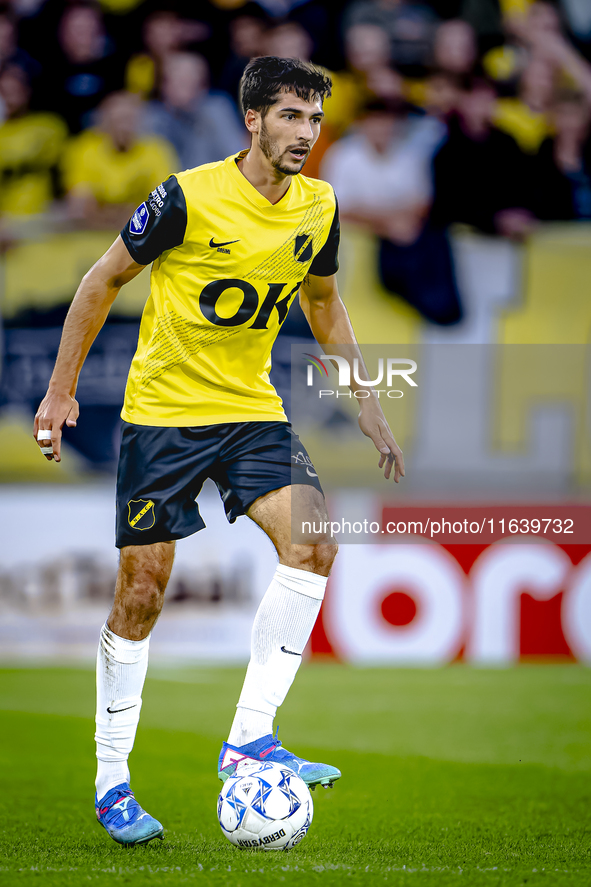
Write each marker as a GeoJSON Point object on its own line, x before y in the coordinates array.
{"type": "Point", "coordinates": [114, 711]}
{"type": "Point", "coordinates": [213, 244]}
{"type": "Point", "coordinates": [291, 652]}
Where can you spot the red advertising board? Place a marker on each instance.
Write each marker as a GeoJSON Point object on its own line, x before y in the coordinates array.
{"type": "Point", "coordinates": [483, 603]}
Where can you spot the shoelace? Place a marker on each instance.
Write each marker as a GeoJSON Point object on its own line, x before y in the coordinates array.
{"type": "Point", "coordinates": [275, 741]}
{"type": "Point", "coordinates": [126, 793]}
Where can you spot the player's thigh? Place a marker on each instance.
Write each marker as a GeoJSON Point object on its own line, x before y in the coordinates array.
{"type": "Point", "coordinates": [258, 458]}
{"type": "Point", "coordinates": [296, 520]}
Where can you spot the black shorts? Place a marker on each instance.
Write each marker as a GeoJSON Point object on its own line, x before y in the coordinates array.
{"type": "Point", "coordinates": [161, 472]}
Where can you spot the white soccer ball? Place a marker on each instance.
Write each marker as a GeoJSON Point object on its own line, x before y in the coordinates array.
{"type": "Point", "coordinates": [265, 807]}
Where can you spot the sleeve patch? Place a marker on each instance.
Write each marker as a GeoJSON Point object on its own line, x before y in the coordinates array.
{"type": "Point", "coordinates": [158, 224]}
{"type": "Point", "coordinates": [139, 220]}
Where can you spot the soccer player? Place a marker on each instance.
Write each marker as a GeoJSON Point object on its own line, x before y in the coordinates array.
{"type": "Point", "coordinates": [231, 245]}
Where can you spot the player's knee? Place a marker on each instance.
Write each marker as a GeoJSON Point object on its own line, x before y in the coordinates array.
{"type": "Point", "coordinates": [142, 586]}
{"type": "Point", "coordinates": [317, 558]}
{"type": "Point", "coordinates": [148, 599]}
{"type": "Point", "coordinates": [148, 565]}
{"type": "Point", "coordinates": [143, 577]}
{"type": "Point", "coordinates": [328, 552]}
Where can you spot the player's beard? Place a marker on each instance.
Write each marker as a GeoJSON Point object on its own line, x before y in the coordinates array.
{"type": "Point", "coordinates": [270, 148]}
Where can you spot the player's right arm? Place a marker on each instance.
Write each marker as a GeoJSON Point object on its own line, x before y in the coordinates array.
{"type": "Point", "coordinates": [87, 314]}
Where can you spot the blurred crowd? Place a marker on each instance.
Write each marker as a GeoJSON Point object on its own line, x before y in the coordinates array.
{"type": "Point", "coordinates": [444, 113]}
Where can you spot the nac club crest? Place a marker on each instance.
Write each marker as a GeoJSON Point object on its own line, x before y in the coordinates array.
{"type": "Point", "coordinates": [141, 514]}
{"type": "Point", "coordinates": [303, 248]}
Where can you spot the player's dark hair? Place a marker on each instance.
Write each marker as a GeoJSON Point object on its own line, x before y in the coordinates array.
{"type": "Point", "coordinates": [266, 77]}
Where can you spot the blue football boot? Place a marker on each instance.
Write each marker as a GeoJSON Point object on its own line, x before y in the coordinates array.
{"type": "Point", "coordinates": [122, 817]}
{"type": "Point", "coordinates": [269, 748]}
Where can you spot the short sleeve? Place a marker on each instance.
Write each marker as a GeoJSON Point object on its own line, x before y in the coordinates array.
{"type": "Point", "coordinates": [326, 262]}
{"type": "Point", "coordinates": [158, 224]}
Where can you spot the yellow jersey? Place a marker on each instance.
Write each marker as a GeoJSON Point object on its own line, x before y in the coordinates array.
{"type": "Point", "coordinates": [227, 265]}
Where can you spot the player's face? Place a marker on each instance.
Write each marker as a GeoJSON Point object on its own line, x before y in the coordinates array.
{"type": "Point", "coordinates": [288, 131]}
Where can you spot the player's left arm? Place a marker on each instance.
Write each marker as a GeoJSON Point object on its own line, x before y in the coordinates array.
{"type": "Point", "coordinates": [330, 325]}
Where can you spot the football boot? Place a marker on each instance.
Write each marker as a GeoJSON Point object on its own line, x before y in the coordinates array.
{"type": "Point", "coordinates": [122, 817]}
{"type": "Point", "coordinates": [269, 748]}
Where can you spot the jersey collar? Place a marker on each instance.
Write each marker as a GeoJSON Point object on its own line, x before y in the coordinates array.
{"type": "Point", "coordinates": [251, 193]}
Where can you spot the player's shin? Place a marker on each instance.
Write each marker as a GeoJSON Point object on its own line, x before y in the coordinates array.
{"type": "Point", "coordinates": [282, 626]}
{"type": "Point", "coordinates": [120, 673]}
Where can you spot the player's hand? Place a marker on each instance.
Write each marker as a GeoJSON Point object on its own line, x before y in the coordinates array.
{"type": "Point", "coordinates": [54, 410]}
{"type": "Point", "coordinates": [374, 425]}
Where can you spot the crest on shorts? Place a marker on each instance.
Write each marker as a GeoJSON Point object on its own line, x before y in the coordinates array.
{"type": "Point", "coordinates": [302, 248]}
{"type": "Point", "coordinates": [141, 514]}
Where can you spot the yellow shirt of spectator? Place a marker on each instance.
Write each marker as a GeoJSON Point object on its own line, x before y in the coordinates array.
{"type": "Point", "coordinates": [29, 147]}
{"type": "Point", "coordinates": [528, 128]}
{"type": "Point", "coordinates": [227, 265]}
{"type": "Point", "coordinates": [93, 164]}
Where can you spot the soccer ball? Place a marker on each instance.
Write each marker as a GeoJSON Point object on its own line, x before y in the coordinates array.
{"type": "Point", "coordinates": [265, 806]}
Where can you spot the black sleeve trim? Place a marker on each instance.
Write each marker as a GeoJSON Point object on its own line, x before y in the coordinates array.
{"type": "Point", "coordinates": [326, 262]}
{"type": "Point", "coordinates": [157, 224]}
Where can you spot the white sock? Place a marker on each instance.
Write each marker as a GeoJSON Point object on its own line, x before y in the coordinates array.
{"type": "Point", "coordinates": [282, 626]}
{"type": "Point", "coordinates": [121, 667]}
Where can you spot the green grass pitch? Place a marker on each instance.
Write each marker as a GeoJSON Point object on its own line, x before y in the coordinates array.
{"type": "Point", "coordinates": [456, 776]}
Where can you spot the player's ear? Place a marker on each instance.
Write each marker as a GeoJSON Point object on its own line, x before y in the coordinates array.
{"type": "Point", "coordinates": [251, 120]}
